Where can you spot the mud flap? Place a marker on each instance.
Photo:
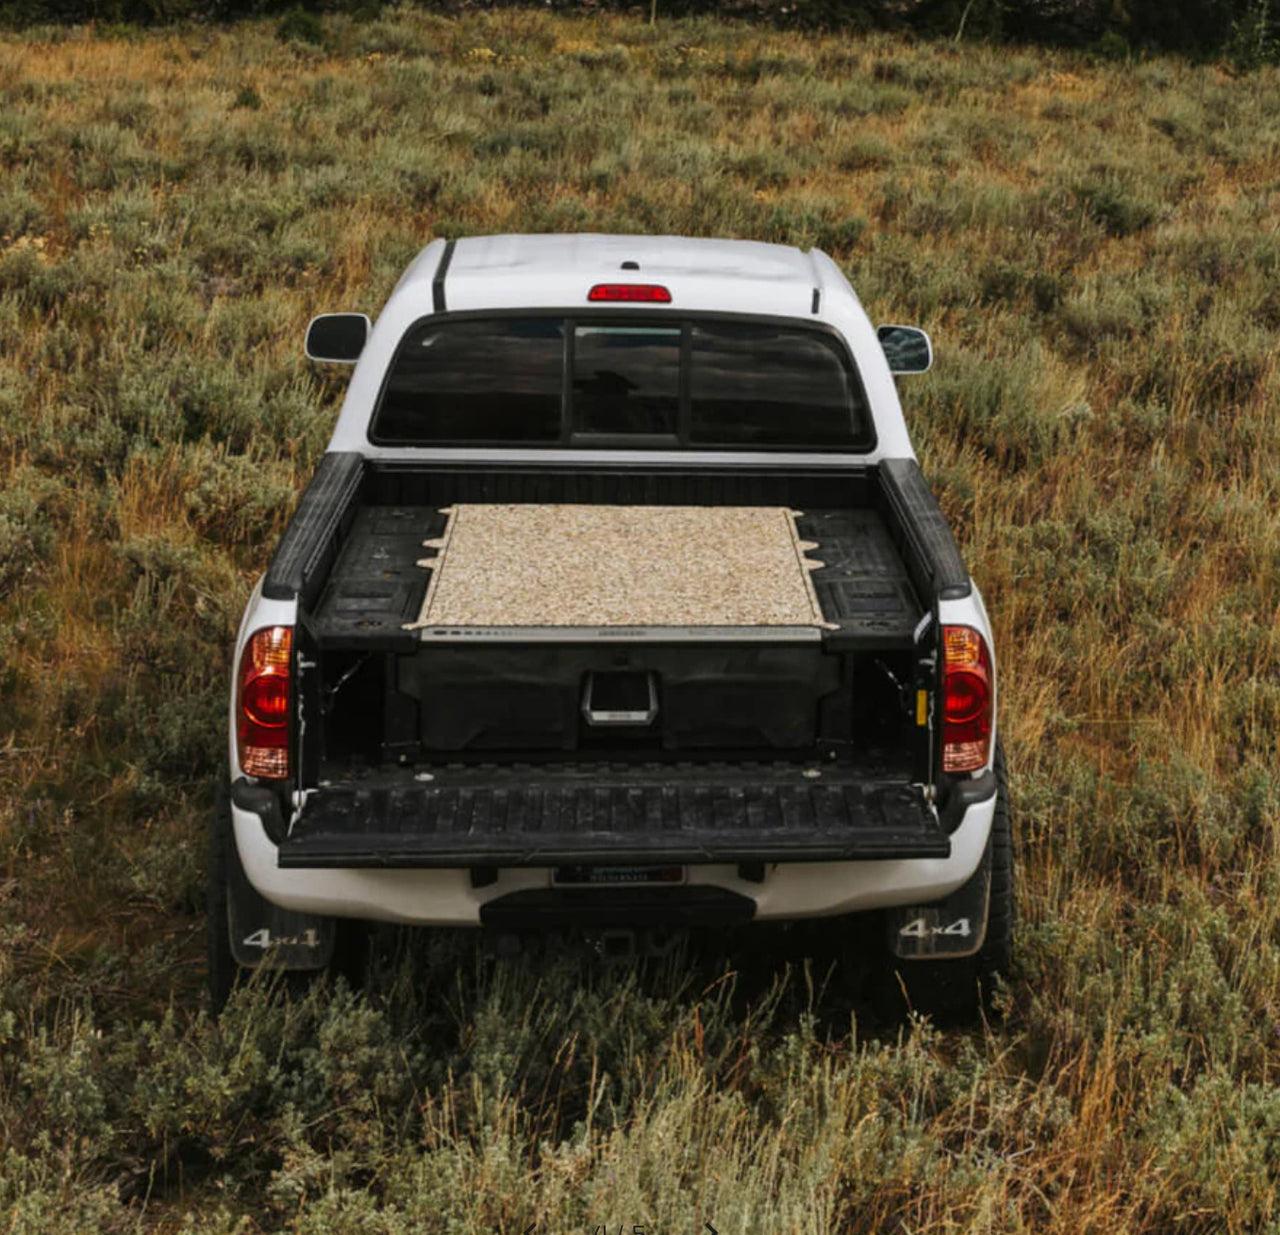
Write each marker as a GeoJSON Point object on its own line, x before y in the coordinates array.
{"type": "Point", "coordinates": [954, 927]}
{"type": "Point", "coordinates": [266, 936]}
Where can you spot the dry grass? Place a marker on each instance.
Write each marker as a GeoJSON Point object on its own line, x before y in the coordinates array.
{"type": "Point", "coordinates": [1096, 250]}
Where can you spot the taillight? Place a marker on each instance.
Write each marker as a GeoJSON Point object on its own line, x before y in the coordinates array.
{"type": "Point", "coordinates": [966, 700]}
{"type": "Point", "coordinates": [653, 293]}
{"type": "Point", "coordinates": [262, 703]}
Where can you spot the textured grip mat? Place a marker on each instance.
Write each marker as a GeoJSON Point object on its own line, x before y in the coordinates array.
{"type": "Point", "coordinates": [532, 565]}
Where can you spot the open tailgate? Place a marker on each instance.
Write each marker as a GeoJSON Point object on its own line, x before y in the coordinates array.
{"type": "Point", "coordinates": [565, 814]}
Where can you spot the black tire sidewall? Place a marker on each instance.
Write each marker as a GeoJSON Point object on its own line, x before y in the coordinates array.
{"type": "Point", "coordinates": [220, 964]}
{"type": "Point", "coordinates": [955, 992]}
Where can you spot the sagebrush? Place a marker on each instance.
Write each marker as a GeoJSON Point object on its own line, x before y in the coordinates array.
{"type": "Point", "coordinates": [1096, 252]}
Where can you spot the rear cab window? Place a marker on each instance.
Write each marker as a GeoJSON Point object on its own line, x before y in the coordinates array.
{"type": "Point", "coordinates": [696, 382]}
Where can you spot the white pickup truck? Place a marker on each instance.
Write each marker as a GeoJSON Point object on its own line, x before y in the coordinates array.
{"type": "Point", "coordinates": [618, 604]}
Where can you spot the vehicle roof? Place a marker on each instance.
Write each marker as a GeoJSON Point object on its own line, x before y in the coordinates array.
{"type": "Point", "coordinates": [601, 254]}
{"type": "Point", "coordinates": [513, 271]}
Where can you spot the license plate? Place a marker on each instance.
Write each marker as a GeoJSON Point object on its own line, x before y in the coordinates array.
{"type": "Point", "coordinates": [590, 876]}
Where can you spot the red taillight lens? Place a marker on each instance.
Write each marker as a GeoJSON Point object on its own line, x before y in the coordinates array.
{"type": "Point", "coordinates": [967, 699]}
{"type": "Point", "coordinates": [262, 702]}
{"type": "Point", "coordinates": [653, 293]}
{"type": "Point", "coordinates": [266, 700]}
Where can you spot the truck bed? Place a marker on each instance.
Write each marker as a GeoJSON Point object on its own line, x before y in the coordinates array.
{"type": "Point", "coordinates": [568, 745]}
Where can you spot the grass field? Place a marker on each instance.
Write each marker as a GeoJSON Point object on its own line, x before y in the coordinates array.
{"type": "Point", "coordinates": [1096, 252]}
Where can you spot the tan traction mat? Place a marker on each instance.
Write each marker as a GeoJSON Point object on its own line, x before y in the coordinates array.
{"type": "Point", "coordinates": [641, 566]}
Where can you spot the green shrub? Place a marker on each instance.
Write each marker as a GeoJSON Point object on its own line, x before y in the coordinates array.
{"type": "Point", "coordinates": [241, 500]}
{"type": "Point", "coordinates": [300, 25]}
{"type": "Point", "coordinates": [1115, 206]}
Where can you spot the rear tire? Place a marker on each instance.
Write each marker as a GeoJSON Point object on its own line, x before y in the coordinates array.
{"type": "Point", "coordinates": [221, 966]}
{"type": "Point", "coordinates": [956, 992]}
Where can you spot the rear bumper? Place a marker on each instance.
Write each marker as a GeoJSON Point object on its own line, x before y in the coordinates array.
{"type": "Point", "coordinates": [445, 896]}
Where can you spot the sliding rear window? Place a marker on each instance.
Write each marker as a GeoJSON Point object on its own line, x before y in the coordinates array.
{"type": "Point", "coordinates": [610, 380]}
{"type": "Point", "coordinates": [626, 379]}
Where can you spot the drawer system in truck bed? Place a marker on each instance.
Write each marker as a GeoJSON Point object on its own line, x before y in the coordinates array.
{"type": "Point", "coordinates": [377, 585]}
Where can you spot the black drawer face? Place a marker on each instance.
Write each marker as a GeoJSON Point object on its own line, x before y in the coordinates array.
{"type": "Point", "coordinates": [548, 697]}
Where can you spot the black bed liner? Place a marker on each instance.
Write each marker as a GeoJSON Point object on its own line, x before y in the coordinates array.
{"type": "Point", "coordinates": [346, 488]}
{"type": "Point", "coordinates": [564, 814]}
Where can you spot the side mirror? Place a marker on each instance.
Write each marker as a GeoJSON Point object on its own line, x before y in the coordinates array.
{"type": "Point", "coordinates": [337, 337]}
{"type": "Point", "coordinates": [907, 349]}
